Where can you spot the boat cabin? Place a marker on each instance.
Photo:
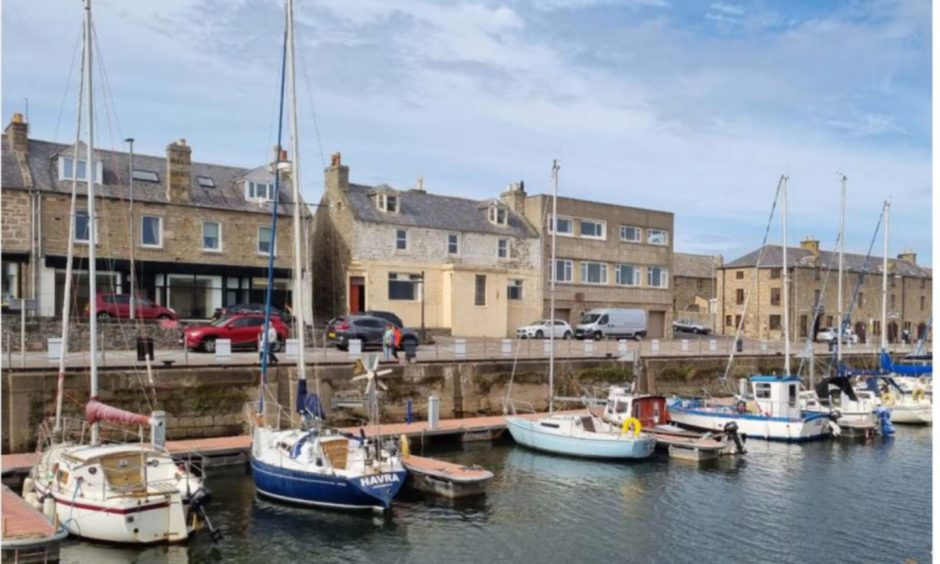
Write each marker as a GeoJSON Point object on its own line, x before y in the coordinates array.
{"type": "Point", "coordinates": [621, 404]}
{"type": "Point", "coordinates": [777, 396]}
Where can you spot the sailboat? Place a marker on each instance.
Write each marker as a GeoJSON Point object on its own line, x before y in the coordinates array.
{"type": "Point", "coordinates": [580, 434]}
{"type": "Point", "coordinates": [772, 409]}
{"type": "Point", "coordinates": [313, 464]}
{"type": "Point", "coordinates": [121, 492]}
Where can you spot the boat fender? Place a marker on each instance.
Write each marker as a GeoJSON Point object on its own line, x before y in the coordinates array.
{"type": "Point", "coordinates": [634, 423]}
{"type": "Point", "coordinates": [741, 407]}
{"type": "Point", "coordinates": [887, 398]}
{"type": "Point", "coordinates": [918, 394]}
{"type": "Point", "coordinates": [48, 507]}
{"type": "Point", "coordinates": [835, 415]}
{"type": "Point", "coordinates": [405, 445]}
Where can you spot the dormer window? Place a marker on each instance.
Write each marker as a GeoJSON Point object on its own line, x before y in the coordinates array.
{"type": "Point", "coordinates": [387, 203]}
{"type": "Point", "coordinates": [498, 215]}
{"type": "Point", "coordinates": [68, 169]}
{"type": "Point", "coordinates": [259, 191]}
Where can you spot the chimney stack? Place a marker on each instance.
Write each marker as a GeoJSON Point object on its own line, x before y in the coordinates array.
{"type": "Point", "coordinates": [810, 244]}
{"type": "Point", "coordinates": [18, 130]}
{"type": "Point", "coordinates": [179, 171]}
{"type": "Point", "coordinates": [337, 175]}
{"type": "Point", "coordinates": [419, 187]}
{"type": "Point", "coordinates": [909, 255]}
{"type": "Point", "coordinates": [514, 196]}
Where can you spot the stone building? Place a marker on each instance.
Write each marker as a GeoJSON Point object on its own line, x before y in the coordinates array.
{"type": "Point", "coordinates": [607, 256]}
{"type": "Point", "coordinates": [756, 293]}
{"type": "Point", "coordinates": [200, 232]}
{"type": "Point", "coordinates": [466, 266]}
{"type": "Point", "coordinates": [694, 288]}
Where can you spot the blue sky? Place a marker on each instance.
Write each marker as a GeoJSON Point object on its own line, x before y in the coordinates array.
{"type": "Point", "coordinates": [695, 107]}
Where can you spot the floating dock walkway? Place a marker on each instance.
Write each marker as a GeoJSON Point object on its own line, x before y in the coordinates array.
{"type": "Point", "coordinates": [28, 536]}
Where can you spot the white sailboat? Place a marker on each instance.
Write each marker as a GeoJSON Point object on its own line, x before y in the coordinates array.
{"type": "Point", "coordinates": [582, 434]}
{"type": "Point", "coordinates": [314, 465]}
{"type": "Point", "coordinates": [770, 409]}
{"type": "Point", "coordinates": [121, 492]}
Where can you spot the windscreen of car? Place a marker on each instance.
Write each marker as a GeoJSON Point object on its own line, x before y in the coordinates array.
{"type": "Point", "coordinates": [590, 318]}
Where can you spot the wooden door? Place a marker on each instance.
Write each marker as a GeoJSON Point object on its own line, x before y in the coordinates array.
{"type": "Point", "coordinates": [357, 294]}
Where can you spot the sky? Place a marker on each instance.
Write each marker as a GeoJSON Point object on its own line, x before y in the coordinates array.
{"type": "Point", "coordinates": [693, 107]}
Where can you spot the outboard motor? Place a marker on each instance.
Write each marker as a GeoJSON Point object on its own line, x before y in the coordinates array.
{"type": "Point", "coordinates": [731, 430]}
{"type": "Point", "coordinates": [834, 428]}
{"type": "Point", "coordinates": [884, 420]}
{"type": "Point", "coordinates": [198, 502]}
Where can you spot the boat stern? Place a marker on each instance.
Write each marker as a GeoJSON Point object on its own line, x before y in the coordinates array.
{"type": "Point", "coordinates": [380, 486]}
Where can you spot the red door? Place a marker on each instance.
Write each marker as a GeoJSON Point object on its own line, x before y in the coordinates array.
{"type": "Point", "coordinates": [357, 294]}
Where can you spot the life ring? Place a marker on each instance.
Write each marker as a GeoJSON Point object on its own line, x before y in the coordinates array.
{"type": "Point", "coordinates": [631, 422]}
{"type": "Point", "coordinates": [405, 446]}
{"type": "Point", "coordinates": [887, 398]}
{"type": "Point", "coordinates": [918, 394]}
{"type": "Point", "coordinates": [741, 407]}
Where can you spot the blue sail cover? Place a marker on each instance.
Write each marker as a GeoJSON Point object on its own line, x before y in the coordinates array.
{"type": "Point", "coordinates": [902, 369]}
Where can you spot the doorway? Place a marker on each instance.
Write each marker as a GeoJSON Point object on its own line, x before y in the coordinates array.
{"type": "Point", "coordinates": [657, 324]}
{"type": "Point", "coordinates": [860, 332]}
{"type": "Point", "coordinates": [357, 294]}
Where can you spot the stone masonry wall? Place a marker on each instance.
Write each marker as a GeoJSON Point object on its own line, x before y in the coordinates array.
{"type": "Point", "coordinates": [14, 217]}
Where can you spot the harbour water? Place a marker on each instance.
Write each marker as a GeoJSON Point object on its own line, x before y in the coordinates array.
{"type": "Point", "coordinates": [818, 502]}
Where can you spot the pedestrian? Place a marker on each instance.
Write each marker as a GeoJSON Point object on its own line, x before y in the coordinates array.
{"type": "Point", "coordinates": [396, 341]}
{"type": "Point", "coordinates": [388, 340]}
{"type": "Point", "coordinates": [272, 344]}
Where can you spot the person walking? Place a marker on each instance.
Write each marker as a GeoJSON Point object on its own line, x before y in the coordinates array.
{"type": "Point", "coordinates": [388, 340]}
{"type": "Point", "coordinates": [272, 344]}
{"type": "Point", "coordinates": [396, 341]}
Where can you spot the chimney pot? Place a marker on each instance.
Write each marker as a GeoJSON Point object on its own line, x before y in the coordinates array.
{"type": "Point", "coordinates": [18, 132]}
{"type": "Point", "coordinates": [18, 118]}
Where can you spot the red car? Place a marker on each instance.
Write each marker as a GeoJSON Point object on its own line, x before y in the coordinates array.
{"type": "Point", "coordinates": [119, 306]}
{"type": "Point", "coordinates": [241, 329]}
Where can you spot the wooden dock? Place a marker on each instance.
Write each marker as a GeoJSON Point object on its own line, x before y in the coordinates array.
{"type": "Point", "coordinates": [27, 535]}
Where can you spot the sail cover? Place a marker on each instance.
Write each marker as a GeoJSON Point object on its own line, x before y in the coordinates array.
{"type": "Point", "coordinates": [96, 411]}
{"type": "Point", "coordinates": [904, 369]}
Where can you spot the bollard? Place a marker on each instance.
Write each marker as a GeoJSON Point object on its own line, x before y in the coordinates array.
{"type": "Point", "coordinates": [434, 412]}
{"type": "Point", "coordinates": [409, 414]}
{"type": "Point", "coordinates": [460, 348]}
{"type": "Point", "coordinates": [712, 345]}
{"type": "Point", "coordinates": [185, 353]}
{"type": "Point", "coordinates": [506, 347]}
{"type": "Point", "coordinates": [685, 345]}
{"type": "Point", "coordinates": [622, 347]}
{"type": "Point", "coordinates": [654, 345]}
{"type": "Point", "coordinates": [355, 348]}
{"type": "Point", "coordinates": [739, 345]}
{"type": "Point", "coordinates": [53, 348]}
{"type": "Point", "coordinates": [588, 348]}
{"type": "Point", "coordinates": [484, 346]}
{"type": "Point", "coordinates": [763, 346]}
{"type": "Point", "coordinates": [546, 347]}
{"type": "Point", "coordinates": [291, 348]}
{"type": "Point", "coordinates": [223, 349]}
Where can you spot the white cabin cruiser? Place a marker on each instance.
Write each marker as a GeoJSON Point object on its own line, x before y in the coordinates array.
{"type": "Point", "coordinates": [856, 408]}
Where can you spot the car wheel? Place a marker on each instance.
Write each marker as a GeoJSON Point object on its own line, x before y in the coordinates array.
{"type": "Point", "coordinates": [209, 345]}
{"type": "Point", "coordinates": [539, 334]}
{"type": "Point", "coordinates": [598, 336]}
{"type": "Point", "coordinates": [104, 315]}
{"type": "Point", "coordinates": [567, 335]}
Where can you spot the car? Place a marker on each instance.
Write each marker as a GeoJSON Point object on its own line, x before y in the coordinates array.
{"type": "Point", "coordinates": [830, 334]}
{"type": "Point", "coordinates": [541, 329]}
{"type": "Point", "coordinates": [242, 329]}
{"type": "Point", "coordinates": [689, 326]}
{"type": "Point", "coordinates": [118, 306]}
{"type": "Point", "coordinates": [221, 312]}
{"type": "Point", "coordinates": [386, 315]}
{"type": "Point", "coordinates": [605, 323]}
{"type": "Point", "coordinates": [366, 328]}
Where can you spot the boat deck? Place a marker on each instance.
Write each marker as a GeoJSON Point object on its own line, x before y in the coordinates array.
{"type": "Point", "coordinates": [446, 470]}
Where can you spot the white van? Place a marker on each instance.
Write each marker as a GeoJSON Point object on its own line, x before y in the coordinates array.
{"type": "Point", "coordinates": [606, 323]}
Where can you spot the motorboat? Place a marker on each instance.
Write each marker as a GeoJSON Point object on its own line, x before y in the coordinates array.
{"type": "Point", "coordinates": [855, 409]}
{"type": "Point", "coordinates": [581, 434]}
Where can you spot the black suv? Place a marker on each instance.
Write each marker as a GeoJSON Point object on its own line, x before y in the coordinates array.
{"type": "Point", "coordinates": [367, 328]}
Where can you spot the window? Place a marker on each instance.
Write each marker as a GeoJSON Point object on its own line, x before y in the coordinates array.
{"type": "Point", "coordinates": [861, 299]}
{"type": "Point", "coordinates": [387, 203]}
{"type": "Point", "coordinates": [514, 291]}
{"type": "Point", "coordinates": [923, 284]}
{"type": "Point", "coordinates": [791, 393]}
{"type": "Point", "coordinates": [593, 273]}
{"type": "Point", "coordinates": [775, 296]}
{"type": "Point", "coordinates": [627, 275]}
{"type": "Point", "coordinates": [803, 321]}
{"type": "Point", "coordinates": [737, 321]}
{"type": "Point", "coordinates": [923, 302]}
{"type": "Point", "coordinates": [479, 294]}
{"type": "Point", "coordinates": [211, 236]}
{"type": "Point", "coordinates": [699, 284]}
{"type": "Point", "coordinates": [564, 224]}
{"type": "Point", "coordinates": [775, 322]}
{"type": "Point", "coordinates": [498, 215]}
{"type": "Point", "coordinates": [775, 274]}
{"type": "Point", "coordinates": [829, 321]}
{"type": "Point", "coordinates": [146, 175]}
{"type": "Point", "coordinates": [81, 226]}
{"type": "Point", "coordinates": [264, 241]}
{"type": "Point", "coordinates": [739, 275]}
{"type": "Point", "coordinates": [728, 321]}
{"type": "Point", "coordinates": [563, 270]}
{"type": "Point", "coordinates": [151, 231]}
{"type": "Point", "coordinates": [739, 296]}
{"type": "Point", "coordinates": [630, 234]}
{"type": "Point", "coordinates": [205, 181]}
{"type": "Point", "coordinates": [401, 240]}
{"type": "Point", "coordinates": [817, 274]}
{"type": "Point", "coordinates": [592, 229]}
{"type": "Point", "coordinates": [657, 237]}
{"type": "Point", "coordinates": [762, 390]}
{"type": "Point", "coordinates": [403, 286]}
{"type": "Point", "coordinates": [260, 191]}
{"type": "Point", "coordinates": [658, 277]}
{"type": "Point", "coordinates": [67, 169]}
{"type": "Point", "coordinates": [876, 327]}
{"type": "Point", "coordinates": [817, 296]}
{"type": "Point", "coordinates": [893, 301]}
{"type": "Point", "coordinates": [893, 278]}
{"type": "Point", "coordinates": [502, 248]}
{"type": "Point", "coordinates": [453, 246]}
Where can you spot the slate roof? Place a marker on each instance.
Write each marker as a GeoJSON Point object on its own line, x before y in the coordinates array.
{"type": "Point", "coordinates": [433, 211]}
{"type": "Point", "coordinates": [797, 256]}
{"type": "Point", "coordinates": [694, 266]}
{"type": "Point", "coordinates": [225, 195]}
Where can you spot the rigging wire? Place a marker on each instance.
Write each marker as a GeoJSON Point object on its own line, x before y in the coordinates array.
{"type": "Point", "coordinates": [313, 109]}
{"type": "Point", "coordinates": [68, 80]}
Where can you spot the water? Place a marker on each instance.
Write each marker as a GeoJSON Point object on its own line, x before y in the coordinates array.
{"type": "Point", "coordinates": [819, 502]}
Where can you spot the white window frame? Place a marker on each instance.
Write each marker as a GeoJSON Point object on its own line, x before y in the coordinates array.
{"type": "Point", "coordinates": [397, 233]}
{"type": "Point", "coordinates": [567, 271]}
{"type": "Point", "coordinates": [663, 277]}
{"type": "Point", "coordinates": [209, 249]}
{"type": "Point", "coordinates": [273, 241]}
{"type": "Point", "coordinates": [650, 232]}
{"type": "Point", "coordinates": [495, 212]}
{"type": "Point", "coordinates": [409, 277]}
{"type": "Point", "coordinates": [600, 237]}
{"type": "Point", "coordinates": [636, 282]}
{"type": "Point", "coordinates": [639, 234]}
{"type": "Point", "coordinates": [381, 202]}
{"type": "Point", "coordinates": [551, 225]}
{"type": "Point", "coordinates": [99, 169]}
{"type": "Point", "coordinates": [159, 244]}
{"type": "Point", "coordinates": [499, 248]}
{"type": "Point", "coordinates": [513, 284]}
{"type": "Point", "coordinates": [585, 266]}
{"type": "Point", "coordinates": [251, 191]}
{"type": "Point", "coordinates": [456, 237]}
{"type": "Point", "coordinates": [145, 175]}
{"type": "Point", "coordinates": [78, 241]}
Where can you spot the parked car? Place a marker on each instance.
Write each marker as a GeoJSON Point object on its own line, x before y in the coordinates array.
{"type": "Point", "coordinates": [689, 326]}
{"type": "Point", "coordinates": [830, 335]}
{"type": "Point", "coordinates": [541, 329]}
{"type": "Point", "coordinates": [119, 306]}
{"type": "Point", "coordinates": [366, 328]}
{"type": "Point", "coordinates": [386, 315]}
{"type": "Point", "coordinates": [606, 323]}
{"type": "Point", "coordinates": [241, 328]}
{"type": "Point", "coordinates": [221, 312]}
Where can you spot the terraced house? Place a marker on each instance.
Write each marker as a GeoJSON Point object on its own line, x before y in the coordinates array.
{"type": "Point", "coordinates": [607, 256]}
{"type": "Point", "coordinates": [469, 267]}
{"type": "Point", "coordinates": [200, 233]}
{"type": "Point", "coordinates": [752, 286]}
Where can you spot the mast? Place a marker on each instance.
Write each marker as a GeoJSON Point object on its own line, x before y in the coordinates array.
{"type": "Point", "coordinates": [298, 293]}
{"type": "Point", "coordinates": [90, 175]}
{"type": "Point", "coordinates": [130, 190]}
{"type": "Point", "coordinates": [884, 281]}
{"type": "Point", "coordinates": [551, 291]}
{"type": "Point", "coordinates": [839, 329]}
{"type": "Point", "coordinates": [786, 286]}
